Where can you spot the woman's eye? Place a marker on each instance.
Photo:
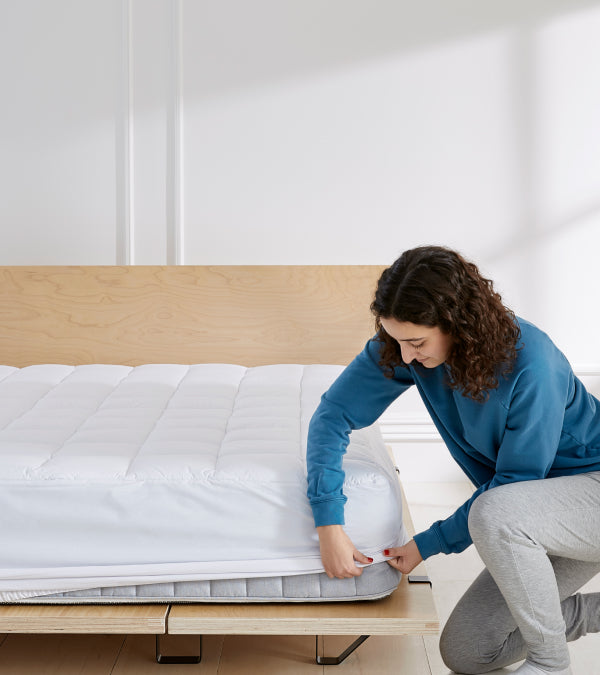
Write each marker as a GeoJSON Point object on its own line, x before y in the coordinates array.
{"type": "Point", "coordinates": [419, 345]}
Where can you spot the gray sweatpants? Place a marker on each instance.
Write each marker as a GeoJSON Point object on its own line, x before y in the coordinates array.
{"type": "Point", "coordinates": [540, 542]}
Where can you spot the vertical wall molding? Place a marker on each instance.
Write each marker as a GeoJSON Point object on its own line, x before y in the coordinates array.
{"type": "Point", "coordinates": [124, 145]}
{"type": "Point", "coordinates": [175, 220]}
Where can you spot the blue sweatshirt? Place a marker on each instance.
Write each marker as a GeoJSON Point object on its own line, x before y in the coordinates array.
{"type": "Point", "coordinates": [539, 423]}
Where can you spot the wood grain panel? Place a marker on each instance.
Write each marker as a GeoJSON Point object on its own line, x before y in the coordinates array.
{"type": "Point", "coordinates": [249, 315]}
{"type": "Point", "coordinates": [83, 618]}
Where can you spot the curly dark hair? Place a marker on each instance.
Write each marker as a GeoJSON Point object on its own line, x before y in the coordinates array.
{"type": "Point", "coordinates": [436, 286]}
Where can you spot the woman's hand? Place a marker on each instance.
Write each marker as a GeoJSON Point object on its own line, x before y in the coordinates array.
{"type": "Point", "coordinates": [338, 553]}
{"type": "Point", "coordinates": [406, 557]}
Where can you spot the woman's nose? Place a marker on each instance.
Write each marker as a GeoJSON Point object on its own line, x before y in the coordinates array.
{"type": "Point", "coordinates": [408, 352]}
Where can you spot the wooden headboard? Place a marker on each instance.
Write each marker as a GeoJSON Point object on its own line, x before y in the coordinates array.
{"type": "Point", "coordinates": [249, 315]}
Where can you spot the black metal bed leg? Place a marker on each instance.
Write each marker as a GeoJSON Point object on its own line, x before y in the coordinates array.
{"type": "Point", "coordinates": [160, 658]}
{"type": "Point", "coordinates": [419, 579]}
{"type": "Point", "coordinates": [336, 660]}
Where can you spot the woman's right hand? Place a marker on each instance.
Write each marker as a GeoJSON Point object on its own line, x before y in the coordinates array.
{"type": "Point", "coordinates": [339, 554]}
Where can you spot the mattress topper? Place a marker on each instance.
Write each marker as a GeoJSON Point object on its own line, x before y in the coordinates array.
{"type": "Point", "coordinates": [115, 474]}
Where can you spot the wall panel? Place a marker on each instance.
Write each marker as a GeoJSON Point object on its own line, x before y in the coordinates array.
{"type": "Point", "coordinates": [59, 69]}
{"type": "Point", "coordinates": [150, 50]}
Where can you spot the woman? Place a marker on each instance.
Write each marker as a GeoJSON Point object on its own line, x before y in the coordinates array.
{"type": "Point", "coordinates": [523, 429]}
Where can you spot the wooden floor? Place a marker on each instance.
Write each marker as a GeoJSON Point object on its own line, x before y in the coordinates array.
{"type": "Point", "coordinates": [229, 655]}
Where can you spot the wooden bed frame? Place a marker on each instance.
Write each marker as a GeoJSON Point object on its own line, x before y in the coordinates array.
{"type": "Point", "coordinates": [248, 315]}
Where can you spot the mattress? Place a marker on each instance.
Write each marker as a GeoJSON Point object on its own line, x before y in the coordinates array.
{"type": "Point", "coordinates": [169, 479]}
{"type": "Point", "coordinates": [377, 581]}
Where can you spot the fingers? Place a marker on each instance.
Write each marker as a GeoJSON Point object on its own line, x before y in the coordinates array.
{"type": "Point", "coordinates": [359, 557]}
{"type": "Point", "coordinates": [347, 570]}
{"type": "Point", "coordinates": [396, 560]}
{"type": "Point", "coordinates": [400, 564]}
{"type": "Point", "coordinates": [397, 563]}
{"type": "Point", "coordinates": [338, 554]}
{"type": "Point", "coordinates": [344, 571]}
{"type": "Point", "coordinates": [341, 567]}
{"type": "Point", "coordinates": [404, 558]}
{"type": "Point", "coordinates": [343, 574]}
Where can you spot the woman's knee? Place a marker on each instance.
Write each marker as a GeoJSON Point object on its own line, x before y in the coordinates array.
{"type": "Point", "coordinates": [450, 651]}
{"type": "Point", "coordinates": [491, 512]}
{"type": "Point", "coordinates": [482, 516]}
{"type": "Point", "coordinates": [458, 648]}
{"type": "Point", "coordinates": [475, 635]}
{"type": "Point", "coordinates": [472, 643]}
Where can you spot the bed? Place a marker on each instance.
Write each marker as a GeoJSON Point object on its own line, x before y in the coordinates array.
{"type": "Point", "coordinates": [124, 386]}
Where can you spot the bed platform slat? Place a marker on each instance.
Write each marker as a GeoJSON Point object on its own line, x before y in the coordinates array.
{"type": "Point", "coordinates": [120, 619]}
{"type": "Point", "coordinates": [409, 610]}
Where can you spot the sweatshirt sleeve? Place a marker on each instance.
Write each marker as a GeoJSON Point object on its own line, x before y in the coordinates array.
{"type": "Point", "coordinates": [527, 451]}
{"type": "Point", "coordinates": [355, 400]}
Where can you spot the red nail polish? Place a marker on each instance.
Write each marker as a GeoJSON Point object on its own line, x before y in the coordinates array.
{"type": "Point", "coordinates": [386, 552]}
{"type": "Point", "coordinates": [370, 559]}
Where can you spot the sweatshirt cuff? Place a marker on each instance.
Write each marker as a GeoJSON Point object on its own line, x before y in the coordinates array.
{"type": "Point", "coordinates": [330, 512]}
{"type": "Point", "coordinates": [428, 543]}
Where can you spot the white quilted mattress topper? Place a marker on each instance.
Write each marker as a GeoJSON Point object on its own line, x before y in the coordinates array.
{"type": "Point", "coordinates": [118, 475]}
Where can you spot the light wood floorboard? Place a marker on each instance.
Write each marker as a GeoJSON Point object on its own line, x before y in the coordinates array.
{"type": "Point", "coordinates": [222, 655]}
{"type": "Point", "coordinates": [60, 654]}
{"type": "Point", "coordinates": [403, 655]}
{"type": "Point", "coordinates": [138, 656]}
{"type": "Point", "coordinates": [269, 654]}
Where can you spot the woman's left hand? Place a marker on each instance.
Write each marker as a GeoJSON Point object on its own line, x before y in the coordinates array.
{"type": "Point", "coordinates": [406, 557]}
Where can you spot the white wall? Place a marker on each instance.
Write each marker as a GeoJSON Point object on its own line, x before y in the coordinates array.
{"type": "Point", "coordinates": [154, 131]}
{"type": "Point", "coordinates": [59, 71]}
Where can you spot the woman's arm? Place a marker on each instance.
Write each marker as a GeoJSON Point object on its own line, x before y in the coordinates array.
{"type": "Point", "coordinates": [355, 400]}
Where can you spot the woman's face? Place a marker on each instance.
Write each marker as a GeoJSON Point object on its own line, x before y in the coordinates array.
{"type": "Point", "coordinates": [427, 345]}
